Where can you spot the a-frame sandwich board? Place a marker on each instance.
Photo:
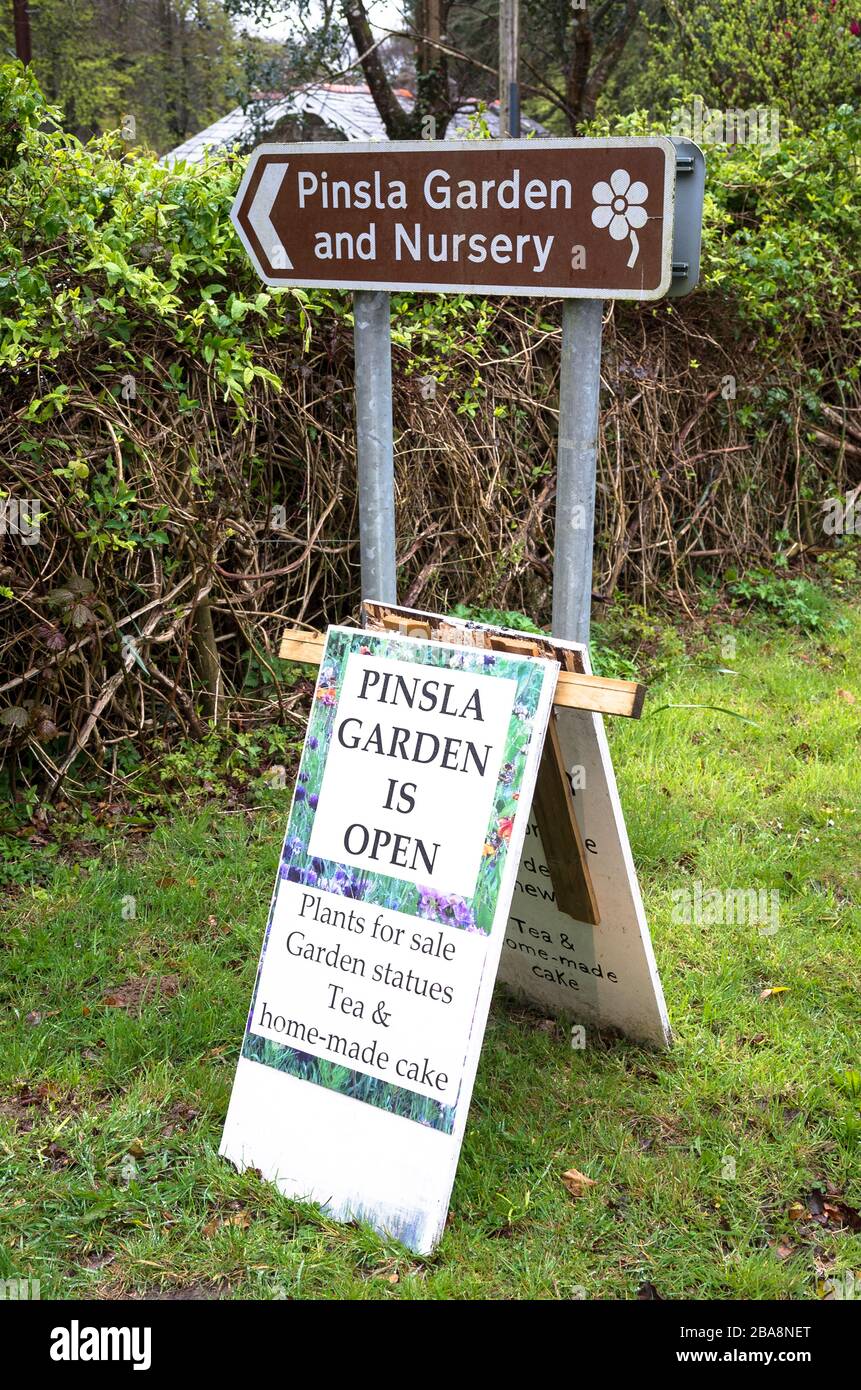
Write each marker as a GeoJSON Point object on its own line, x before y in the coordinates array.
{"type": "Point", "coordinates": [596, 967]}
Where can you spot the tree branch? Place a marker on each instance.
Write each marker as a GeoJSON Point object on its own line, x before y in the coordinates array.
{"type": "Point", "coordinates": [399, 124]}
{"type": "Point", "coordinates": [613, 51]}
{"type": "Point", "coordinates": [578, 73]}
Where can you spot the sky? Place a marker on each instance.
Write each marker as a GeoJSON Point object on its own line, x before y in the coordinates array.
{"type": "Point", "coordinates": [384, 13]}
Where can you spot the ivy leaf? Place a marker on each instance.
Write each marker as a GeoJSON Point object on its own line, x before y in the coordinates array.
{"type": "Point", "coordinates": [81, 615]}
{"type": "Point", "coordinates": [52, 638]}
{"type": "Point", "coordinates": [14, 717]}
{"type": "Point", "coordinates": [79, 585]}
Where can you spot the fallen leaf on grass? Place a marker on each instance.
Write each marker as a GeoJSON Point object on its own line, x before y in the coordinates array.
{"type": "Point", "coordinates": [839, 1214]}
{"type": "Point", "coordinates": [847, 696]}
{"type": "Point", "coordinates": [577, 1183]}
{"type": "Point", "coordinates": [98, 1260]}
{"type": "Point", "coordinates": [826, 1208]}
{"type": "Point", "coordinates": [26, 1104]}
{"type": "Point", "coordinates": [238, 1219]}
{"type": "Point", "coordinates": [134, 993]}
{"type": "Point", "coordinates": [546, 1025]}
{"type": "Point", "coordinates": [775, 989]}
{"type": "Point", "coordinates": [179, 1117]}
{"type": "Point", "coordinates": [56, 1157]}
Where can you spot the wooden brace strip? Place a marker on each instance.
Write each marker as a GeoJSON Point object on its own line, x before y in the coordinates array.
{"type": "Point", "coordinates": [573, 691]}
{"type": "Point", "coordinates": [553, 806]}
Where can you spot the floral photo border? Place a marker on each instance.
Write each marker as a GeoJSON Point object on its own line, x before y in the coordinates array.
{"type": "Point", "coordinates": [474, 914]}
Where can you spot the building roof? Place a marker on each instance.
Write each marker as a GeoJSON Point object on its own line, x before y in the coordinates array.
{"type": "Point", "coordinates": [345, 110]}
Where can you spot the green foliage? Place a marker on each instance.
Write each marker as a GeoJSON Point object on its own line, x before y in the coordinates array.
{"type": "Point", "coordinates": [495, 617]}
{"type": "Point", "coordinates": [795, 602]}
{"type": "Point", "coordinates": [631, 644]}
{"type": "Point", "coordinates": [609, 662]}
{"type": "Point", "coordinates": [22, 106]}
{"type": "Point", "coordinates": [173, 65]}
{"type": "Point", "coordinates": [781, 227]}
{"type": "Point", "coordinates": [224, 763]}
{"type": "Point", "coordinates": [800, 58]}
{"type": "Point", "coordinates": [95, 249]}
{"type": "Point", "coordinates": [433, 328]}
{"type": "Point", "coordinates": [840, 569]}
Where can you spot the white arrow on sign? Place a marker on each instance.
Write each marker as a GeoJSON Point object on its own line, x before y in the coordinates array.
{"type": "Point", "coordinates": [260, 221]}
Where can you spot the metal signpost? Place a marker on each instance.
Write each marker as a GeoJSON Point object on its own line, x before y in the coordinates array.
{"type": "Point", "coordinates": [375, 443]}
{"type": "Point", "coordinates": [576, 462]}
{"type": "Point", "coordinates": [581, 220]}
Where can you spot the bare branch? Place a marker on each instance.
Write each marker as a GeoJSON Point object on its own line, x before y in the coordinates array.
{"type": "Point", "coordinates": [612, 52]}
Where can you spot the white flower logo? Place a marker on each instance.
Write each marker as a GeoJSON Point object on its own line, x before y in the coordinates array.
{"type": "Point", "coordinates": [619, 208]}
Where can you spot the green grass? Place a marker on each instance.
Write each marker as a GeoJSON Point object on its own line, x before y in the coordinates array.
{"type": "Point", "coordinates": [110, 1116]}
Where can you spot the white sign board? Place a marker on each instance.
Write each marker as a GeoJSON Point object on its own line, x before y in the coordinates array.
{"type": "Point", "coordinates": [386, 926]}
{"type": "Point", "coordinates": [602, 975]}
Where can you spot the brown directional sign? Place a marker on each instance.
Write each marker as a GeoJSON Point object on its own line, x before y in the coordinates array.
{"type": "Point", "coordinates": [574, 218]}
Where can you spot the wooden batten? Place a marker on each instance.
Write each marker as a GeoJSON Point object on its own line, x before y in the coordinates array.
{"type": "Point", "coordinates": [553, 808]}
{"type": "Point", "coordinates": [573, 690]}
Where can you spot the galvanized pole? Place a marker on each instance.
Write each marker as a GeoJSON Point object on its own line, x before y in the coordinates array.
{"type": "Point", "coordinates": [579, 389]}
{"type": "Point", "coordinates": [509, 90]}
{"type": "Point", "coordinates": [375, 444]}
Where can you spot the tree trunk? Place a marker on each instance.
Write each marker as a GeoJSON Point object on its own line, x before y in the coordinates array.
{"type": "Point", "coordinates": [207, 660]}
